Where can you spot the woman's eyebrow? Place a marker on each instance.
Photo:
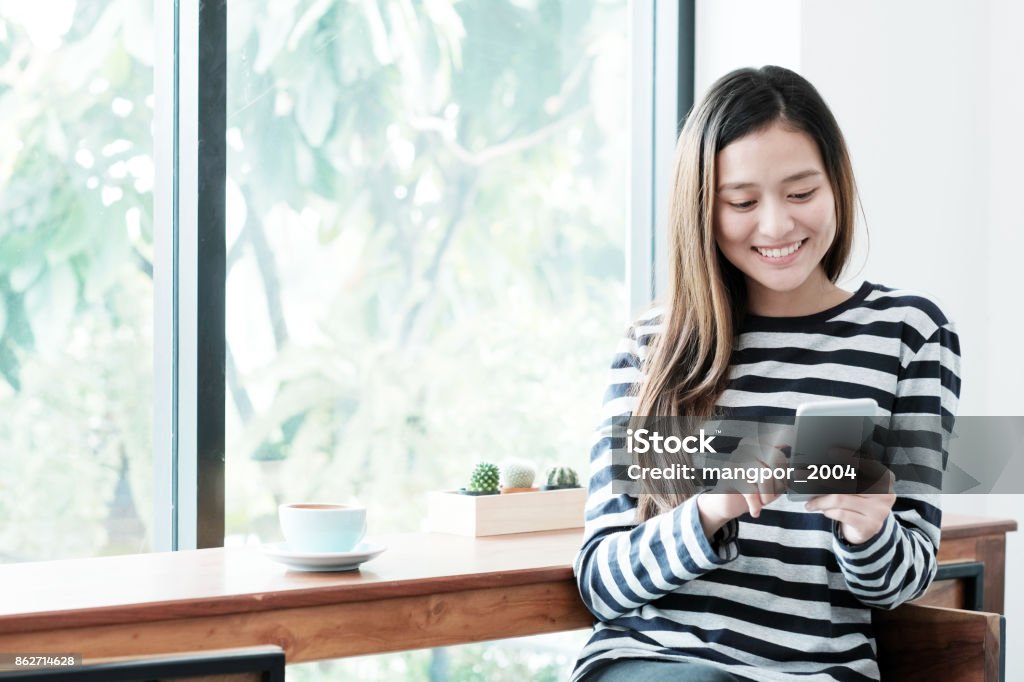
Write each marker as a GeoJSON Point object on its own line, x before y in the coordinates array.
{"type": "Point", "coordinates": [792, 178]}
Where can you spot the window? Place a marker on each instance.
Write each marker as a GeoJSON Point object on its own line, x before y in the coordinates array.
{"type": "Point", "coordinates": [426, 224]}
{"type": "Point", "coordinates": [428, 206]}
{"type": "Point", "coordinates": [76, 293]}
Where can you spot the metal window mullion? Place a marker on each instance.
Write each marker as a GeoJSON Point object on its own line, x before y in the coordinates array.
{"type": "Point", "coordinates": [640, 236]}
{"type": "Point", "coordinates": [673, 97]}
{"type": "Point", "coordinates": [186, 494]}
{"type": "Point", "coordinates": [662, 35]}
{"type": "Point", "coordinates": [199, 272]}
{"type": "Point", "coordinates": [165, 15]}
{"type": "Point", "coordinates": [686, 59]}
{"type": "Point", "coordinates": [211, 271]}
{"type": "Point", "coordinates": [666, 81]}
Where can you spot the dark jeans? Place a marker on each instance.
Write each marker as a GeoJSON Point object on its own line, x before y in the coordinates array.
{"type": "Point", "coordinates": [640, 670]}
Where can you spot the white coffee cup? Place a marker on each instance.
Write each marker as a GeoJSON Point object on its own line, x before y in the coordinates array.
{"type": "Point", "coordinates": [318, 527]}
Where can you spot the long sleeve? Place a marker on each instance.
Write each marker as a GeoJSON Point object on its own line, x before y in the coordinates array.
{"type": "Point", "coordinates": [899, 563]}
{"type": "Point", "coordinates": [623, 565]}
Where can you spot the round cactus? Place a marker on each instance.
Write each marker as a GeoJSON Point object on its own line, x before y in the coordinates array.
{"type": "Point", "coordinates": [484, 478]}
{"type": "Point", "coordinates": [562, 477]}
{"type": "Point", "coordinates": [518, 474]}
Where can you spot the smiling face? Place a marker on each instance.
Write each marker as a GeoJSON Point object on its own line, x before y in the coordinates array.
{"type": "Point", "coordinates": [775, 213]}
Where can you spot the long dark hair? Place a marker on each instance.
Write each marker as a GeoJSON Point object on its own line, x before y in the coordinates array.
{"type": "Point", "coordinates": [686, 372]}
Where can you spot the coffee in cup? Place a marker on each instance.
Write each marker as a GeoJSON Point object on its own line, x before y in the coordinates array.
{"type": "Point", "coordinates": [316, 527]}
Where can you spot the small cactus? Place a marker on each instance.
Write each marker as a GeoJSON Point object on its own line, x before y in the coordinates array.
{"type": "Point", "coordinates": [484, 478]}
{"type": "Point", "coordinates": [562, 477]}
{"type": "Point", "coordinates": [518, 474]}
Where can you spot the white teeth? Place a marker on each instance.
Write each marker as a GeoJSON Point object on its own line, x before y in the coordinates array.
{"type": "Point", "coordinates": [780, 253]}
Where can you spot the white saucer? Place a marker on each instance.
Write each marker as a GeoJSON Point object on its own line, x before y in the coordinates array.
{"type": "Point", "coordinates": [322, 561]}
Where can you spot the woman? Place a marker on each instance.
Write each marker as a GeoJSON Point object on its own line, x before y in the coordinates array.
{"type": "Point", "coordinates": [759, 586]}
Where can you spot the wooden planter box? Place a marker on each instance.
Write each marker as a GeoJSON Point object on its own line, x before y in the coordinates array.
{"type": "Point", "coordinates": [476, 515]}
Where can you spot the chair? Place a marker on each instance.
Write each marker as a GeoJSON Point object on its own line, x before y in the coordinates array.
{"type": "Point", "coordinates": [250, 664]}
{"type": "Point", "coordinates": [930, 643]}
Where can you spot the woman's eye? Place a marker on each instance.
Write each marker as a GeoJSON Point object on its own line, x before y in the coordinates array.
{"type": "Point", "coordinates": [799, 197]}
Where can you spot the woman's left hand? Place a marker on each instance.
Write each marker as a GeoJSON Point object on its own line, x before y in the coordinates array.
{"type": "Point", "coordinates": [860, 515]}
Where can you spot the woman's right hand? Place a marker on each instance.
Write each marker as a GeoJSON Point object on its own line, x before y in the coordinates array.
{"type": "Point", "coordinates": [730, 499]}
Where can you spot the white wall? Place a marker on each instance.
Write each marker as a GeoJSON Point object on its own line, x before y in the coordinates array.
{"type": "Point", "coordinates": [928, 94]}
{"type": "Point", "coordinates": [1003, 276]}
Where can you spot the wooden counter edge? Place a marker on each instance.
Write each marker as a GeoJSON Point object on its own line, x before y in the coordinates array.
{"type": "Point", "coordinates": [973, 526]}
{"type": "Point", "coordinates": [324, 632]}
{"type": "Point", "coordinates": [279, 600]}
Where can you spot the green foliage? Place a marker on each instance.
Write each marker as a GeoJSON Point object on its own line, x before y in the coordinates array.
{"type": "Point", "coordinates": [443, 243]}
{"type": "Point", "coordinates": [484, 478]}
{"type": "Point", "coordinates": [76, 369]}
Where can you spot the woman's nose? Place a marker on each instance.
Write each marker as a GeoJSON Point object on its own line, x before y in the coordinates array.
{"type": "Point", "coordinates": [776, 222]}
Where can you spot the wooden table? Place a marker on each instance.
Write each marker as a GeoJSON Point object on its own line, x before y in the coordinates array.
{"type": "Point", "coordinates": [427, 590]}
{"type": "Point", "coordinates": [971, 542]}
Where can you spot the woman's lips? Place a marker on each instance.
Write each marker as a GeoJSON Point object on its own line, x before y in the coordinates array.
{"type": "Point", "coordinates": [792, 255]}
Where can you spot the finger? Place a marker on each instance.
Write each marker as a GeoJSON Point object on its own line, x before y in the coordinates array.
{"type": "Point", "coordinates": [743, 486]}
{"type": "Point", "coordinates": [753, 503]}
{"type": "Point", "coordinates": [780, 485]}
{"type": "Point", "coordinates": [780, 438]}
{"type": "Point", "coordinates": [884, 501]}
{"type": "Point", "coordinates": [766, 485]}
{"type": "Point", "coordinates": [845, 516]}
{"type": "Point", "coordinates": [834, 501]}
{"type": "Point", "coordinates": [723, 485]}
{"type": "Point", "coordinates": [773, 458]}
{"type": "Point", "coordinates": [767, 497]}
{"type": "Point", "coordinates": [888, 499]}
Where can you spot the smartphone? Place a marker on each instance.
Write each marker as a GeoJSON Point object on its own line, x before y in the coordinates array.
{"type": "Point", "coordinates": [821, 426]}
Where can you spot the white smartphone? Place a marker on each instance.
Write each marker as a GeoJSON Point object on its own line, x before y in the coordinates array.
{"type": "Point", "coordinates": [859, 407]}
{"type": "Point", "coordinates": [813, 432]}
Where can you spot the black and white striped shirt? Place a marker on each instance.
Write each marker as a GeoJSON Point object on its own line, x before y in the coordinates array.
{"type": "Point", "coordinates": [780, 597]}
